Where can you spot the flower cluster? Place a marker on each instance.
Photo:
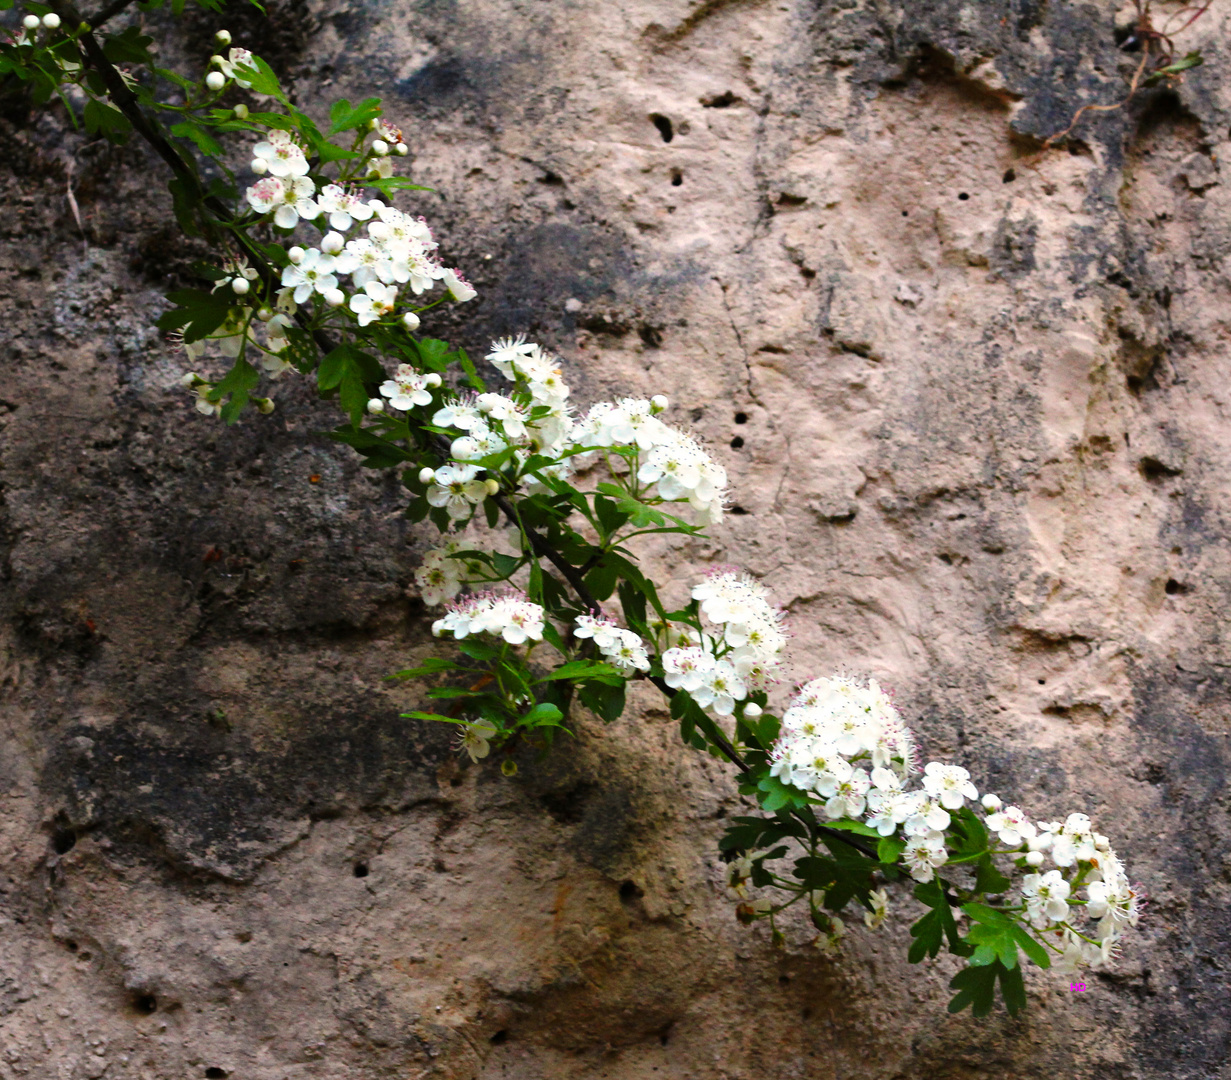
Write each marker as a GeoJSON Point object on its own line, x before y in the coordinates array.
{"type": "Point", "coordinates": [622, 647]}
{"type": "Point", "coordinates": [743, 652]}
{"type": "Point", "coordinates": [670, 459]}
{"type": "Point", "coordinates": [508, 614]}
{"type": "Point", "coordinates": [442, 573]}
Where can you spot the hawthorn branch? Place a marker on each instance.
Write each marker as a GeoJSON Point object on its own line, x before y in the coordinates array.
{"type": "Point", "coordinates": [126, 101]}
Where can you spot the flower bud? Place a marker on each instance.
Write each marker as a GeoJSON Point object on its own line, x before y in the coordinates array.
{"type": "Point", "coordinates": [264, 405]}
{"type": "Point", "coordinates": [659, 403]}
{"type": "Point", "coordinates": [335, 298]}
{"type": "Point", "coordinates": [432, 379]}
{"type": "Point", "coordinates": [1034, 858]}
{"type": "Point", "coordinates": [240, 286]}
{"type": "Point", "coordinates": [259, 166]}
{"type": "Point", "coordinates": [402, 149]}
{"type": "Point", "coordinates": [215, 80]}
{"type": "Point", "coordinates": [380, 148]}
{"type": "Point", "coordinates": [992, 802]}
{"type": "Point", "coordinates": [373, 124]}
{"type": "Point", "coordinates": [376, 406]}
{"type": "Point", "coordinates": [31, 22]}
{"type": "Point", "coordinates": [410, 320]}
{"type": "Point", "coordinates": [217, 61]}
{"type": "Point", "coordinates": [752, 710]}
{"type": "Point", "coordinates": [426, 475]}
{"type": "Point", "coordinates": [295, 254]}
{"type": "Point", "coordinates": [332, 243]}
{"type": "Point", "coordinates": [241, 111]}
{"type": "Point", "coordinates": [264, 314]}
{"type": "Point", "coordinates": [492, 485]}
{"type": "Point", "coordinates": [223, 38]}
{"type": "Point", "coordinates": [189, 378]}
{"type": "Point", "coordinates": [465, 448]}
{"type": "Point", "coordinates": [51, 20]}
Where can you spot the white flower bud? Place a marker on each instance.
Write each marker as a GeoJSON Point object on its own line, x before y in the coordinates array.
{"type": "Point", "coordinates": [432, 379]}
{"type": "Point", "coordinates": [426, 476]}
{"type": "Point", "coordinates": [373, 124]}
{"type": "Point", "coordinates": [215, 80]}
{"type": "Point", "coordinates": [264, 314]}
{"type": "Point", "coordinates": [335, 298]}
{"type": "Point", "coordinates": [380, 148]}
{"type": "Point", "coordinates": [240, 286]}
{"type": "Point", "coordinates": [492, 486]}
{"type": "Point", "coordinates": [402, 149]}
{"type": "Point", "coordinates": [223, 37]}
{"type": "Point", "coordinates": [486, 406]}
{"type": "Point", "coordinates": [332, 243]}
{"type": "Point", "coordinates": [189, 378]}
{"type": "Point", "coordinates": [259, 166]}
{"type": "Point", "coordinates": [295, 254]}
{"type": "Point", "coordinates": [264, 405]}
{"type": "Point", "coordinates": [992, 802]}
{"type": "Point", "coordinates": [465, 448]}
{"type": "Point", "coordinates": [216, 60]}
{"type": "Point", "coordinates": [241, 111]}
{"type": "Point", "coordinates": [376, 406]}
{"type": "Point", "coordinates": [410, 320]}
{"type": "Point", "coordinates": [31, 22]}
{"type": "Point", "coordinates": [51, 20]}
{"type": "Point", "coordinates": [752, 710]}
{"type": "Point", "coordinates": [1034, 858]}
{"type": "Point", "coordinates": [659, 403]}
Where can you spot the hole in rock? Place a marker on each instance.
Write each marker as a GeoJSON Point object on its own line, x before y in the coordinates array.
{"type": "Point", "coordinates": [145, 1004]}
{"type": "Point", "coordinates": [64, 841]}
{"type": "Point", "coordinates": [1175, 588]}
{"type": "Point", "coordinates": [720, 101]}
{"type": "Point", "coordinates": [651, 336]}
{"type": "Point", "coordinates": [737, 443]}
{"type": "Point", "coordinates": [962, 196]}
{"type": "Point", "coordinates": [71, 946]}
{"type": "Point", "coordinates": [361, 869]}
{"type": "Point", "coordinates": [215, 1073]}
{"type": "Point", "coordinates": [630, 891]}
{"type": "Point", "coordinates": [501, 1036]}
{"type": "Point", "coordinates": [741, 418]}
{"type": "Point", "coordinates": [677, 177]}
{"type": "Point", "coordinates": [738, 510]}
{"type": "Point", "coordinates": [784, 980]}
{"type": "Point", "coordinates": [664, 125]}
{"type": "Point", "coordinates": [1042, 682]}
{"type": "Point", "coordinates": [906, 213]}
{"type": "Point", "coordinates": [696, 414]}
{"type": "Point", "coordinates": [1009, 176]}
{"type": "Point", "coordinates": [1154, 470]}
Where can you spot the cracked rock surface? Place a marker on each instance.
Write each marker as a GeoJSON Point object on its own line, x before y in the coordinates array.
{"type": "Point", "coordinates": [974, 401]}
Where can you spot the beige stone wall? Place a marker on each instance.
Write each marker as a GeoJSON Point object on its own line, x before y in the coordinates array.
{"type": "Point", "coordinates": [974, 404]}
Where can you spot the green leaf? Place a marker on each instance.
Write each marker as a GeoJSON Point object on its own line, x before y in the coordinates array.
{"type": "Point", "coordinates": [1031, 947]}
{"type": "Point", "coordinates": [852, 826]}
{"type": "Point", "coordinates": [206, 143]}
{"type": "Point", "coordinates": [1192, 60]}
{"type": "Point", "coordinates": [129, 46]}
{"type": "Point", "coordinates": [890, 849]}
{"type": "Point", "coordinates": [262, 80]}
{"type": "Point", "coordinates": [342, 117]}
{"type": "Point", "coordinates": [976, 986]}
{"type": "Point", "coordinates": [477, 650]}
{"type": "Point", "coordinates": [604, 699]}
{"type": "Point", "coordinates": [448, 693]}
{"type": "Point", "coordinates": [472, 376]}
{"type": "Point", "coordinates": [389, 184]}
{"type": "Point", "coordinates": [601, 581]}
{"type": "Point", "coordinates": [988, 880]}
{"type": "Point", "coordinates": [431, 666]}
{"type": "Point", "coordinates": [197, 313]}
{"type": "Point", "coordinates": [582, 669]}
{"type": "Point", "coordinates": [433, 716]}
{"type": "Point", "coordinates": [609, 517]}
{"type": "Point", "coordinates": [106, 120]}
{"type": "Point", "coordinates": [931, 930]}
{"type": "Point", "coordinates": [544, 714]}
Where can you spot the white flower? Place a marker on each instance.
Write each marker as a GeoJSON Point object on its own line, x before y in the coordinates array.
{"type": "Point", "coordinates": [375, 302]}
{"type": "Point", "coordinates": [475, 739]}
{"type": "Point", "coordinates": [848, 800]}
{"type": "Point", "coordinates": [233, 66]}
{"type": "Point", "coordinates": [281, 154]}
{"type": "Point", "coordinates": [407, 388]}
{"type": "Point", "coordinates": [621, 647]}
{"type": "Point", "coordinates": [456, 490]}
{"type": "Point", "coordinates": [879, 899]}
{"type": "Point", "coordinates": [1046, 897]}
{"type": "Point", "coordinates": [686, 668]}
{"type": "Point", "coordinates": [459, 288]}
{"type": "Point", "coordinates": [1012, 826]}
{"type": "Point", "coordinates": [312, 274]}
{"type": "Point", "coordinates": [506, 352]}
{"type": "Point", "coordinates": [721, 689]}
{"type": "Point", "coordinates": [293, 202]}
{"type": "Point", "coordinates": [344, 207]}
{"type": "Point", "coordinates": [949, 784]}
{"type": "Point", "coordinates": [439, 577]}
{"type": "Point", "coordinates": [509, 615]}
{"type": "Point", "coordinates": [923, 854]}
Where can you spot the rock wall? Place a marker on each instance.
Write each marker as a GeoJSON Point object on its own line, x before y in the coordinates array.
{"type": "Point", "coordinates": [974, 403]}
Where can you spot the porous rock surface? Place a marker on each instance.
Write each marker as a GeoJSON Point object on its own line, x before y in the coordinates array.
{"type": "Point", "coordinates": [974, 403]}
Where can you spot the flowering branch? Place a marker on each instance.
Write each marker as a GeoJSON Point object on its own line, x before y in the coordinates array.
{"type": "Point", "coordinates": [318, 276]}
